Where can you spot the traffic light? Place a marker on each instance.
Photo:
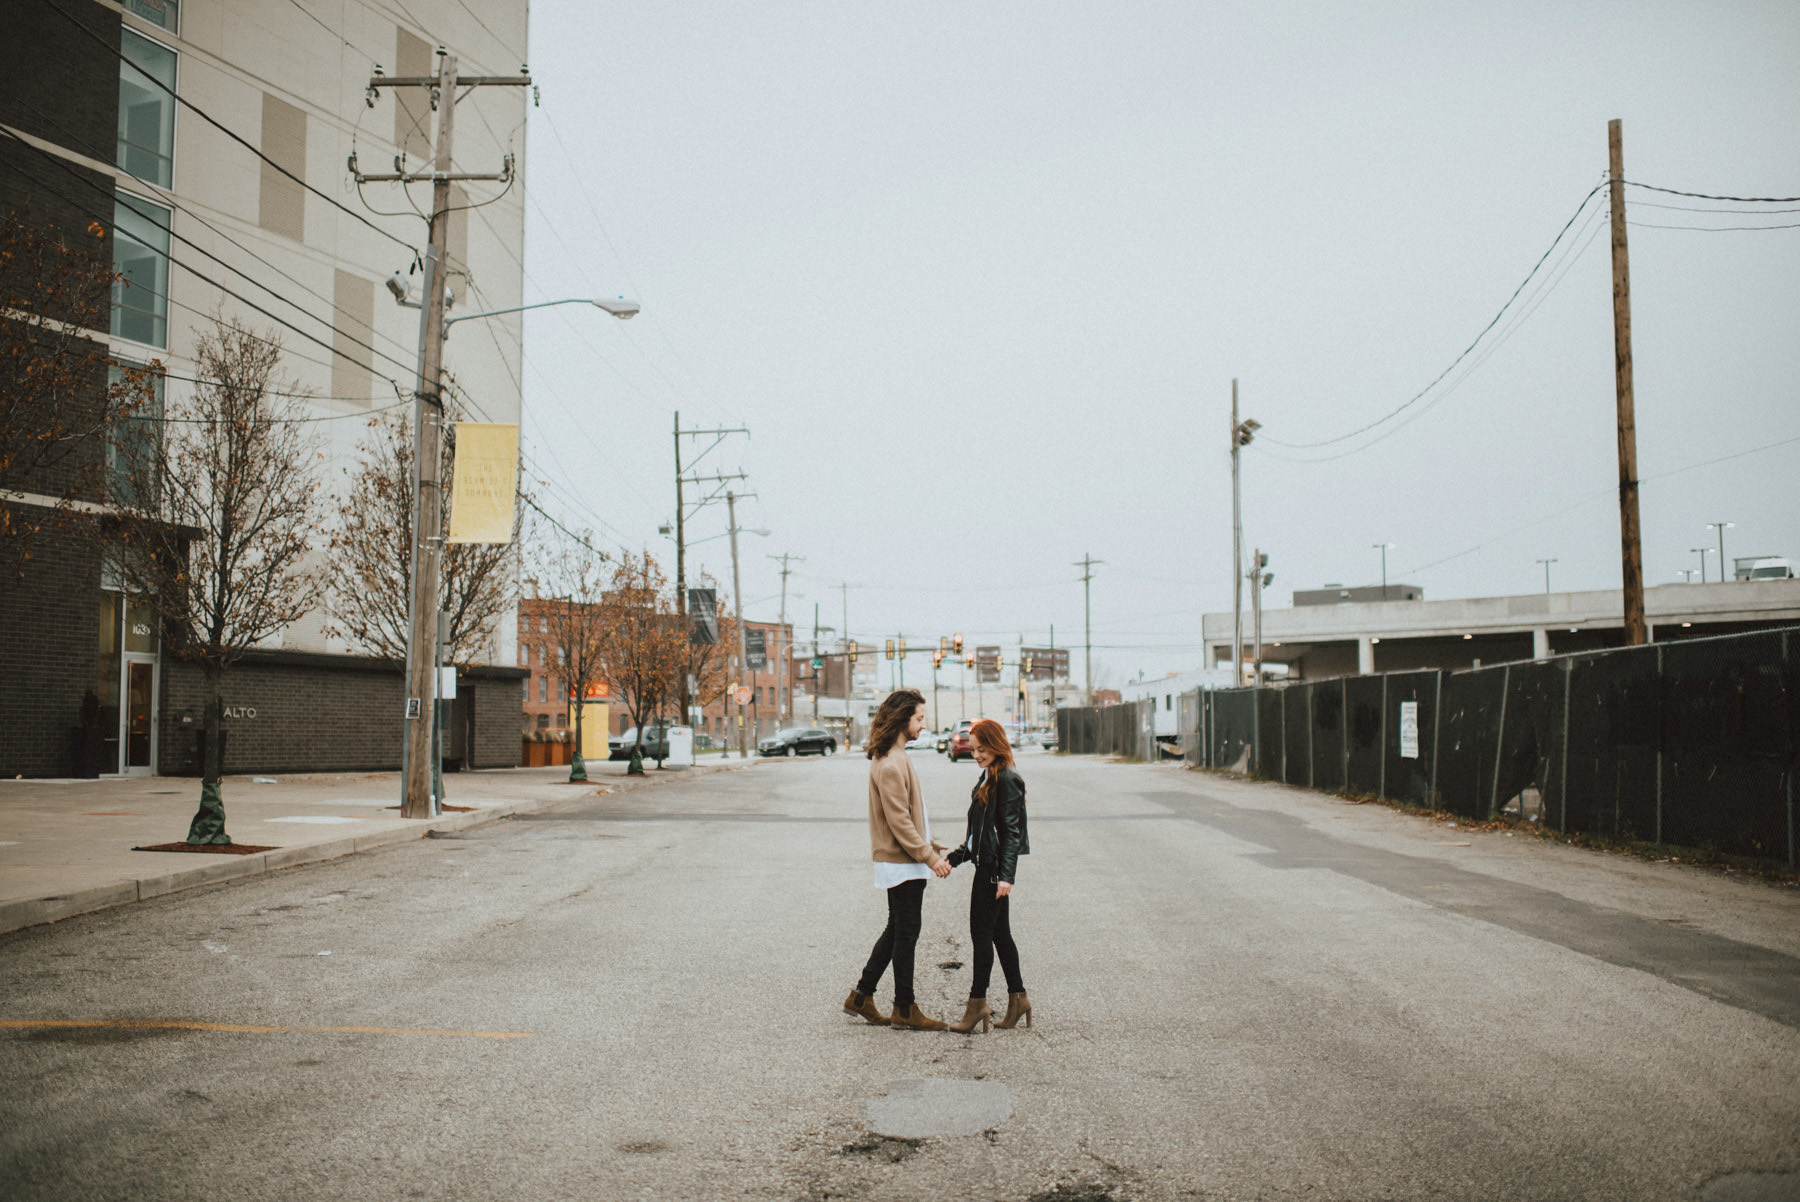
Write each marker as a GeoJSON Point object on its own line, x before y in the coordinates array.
{"type": "Point", "coordinates": [902, 646]}
{"type": "Point", "coordinates": [998, 662]}
{"type": "Point", "coordinates": [943, 645]}
{"type": "Point", "coordinates": [937, 659]}
{"type": "Point", "coordinates": [1025, 666]}
{"type": "Point", "coordinates": [890, 648]}
{"type": "Point", "coordinates": [969, 659]}
{"type": "Point", "coordinates": [956, 641]}
{"type": "Point", "coordinates": [852, 653]}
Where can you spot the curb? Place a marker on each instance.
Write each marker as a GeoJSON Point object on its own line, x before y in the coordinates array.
{"type": "Point", "coordinates": [20, 913]}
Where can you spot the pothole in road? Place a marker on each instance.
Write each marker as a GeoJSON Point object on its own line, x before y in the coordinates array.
{"type": "Point", "coordinates": [951, 965]}
{"type": "Point", "coordinates": [882, 1147]}
{"type": "Point", "coordinates": [1753, 1187]}
{"type": "Point", "coordinates": [939, 1106]}
{"type": "Point", "coordinates": [644, 1147]}
{"type": "Point", "coordinates": [1076, 1193]}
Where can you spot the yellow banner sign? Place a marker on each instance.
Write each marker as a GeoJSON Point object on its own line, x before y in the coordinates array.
{"type": "Point", "coordinates": [487, 475]}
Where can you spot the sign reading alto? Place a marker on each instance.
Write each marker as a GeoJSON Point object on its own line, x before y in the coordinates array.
{"type": "Point", "coordinates": [484, 497]}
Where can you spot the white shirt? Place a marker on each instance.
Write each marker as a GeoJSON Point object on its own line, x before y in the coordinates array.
{"type": "Point", "coordinates": [888, 875]}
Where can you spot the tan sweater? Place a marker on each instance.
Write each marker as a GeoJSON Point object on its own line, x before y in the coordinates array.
{"type": "Point", "coordinates": [897, 811]}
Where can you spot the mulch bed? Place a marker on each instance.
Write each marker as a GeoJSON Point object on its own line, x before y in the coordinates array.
{"type": "Point", "coordinates": [228, 849]}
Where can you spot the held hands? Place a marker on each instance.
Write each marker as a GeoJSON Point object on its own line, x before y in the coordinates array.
{"type": "Point", "coordinates": [1002, 889]}
{"type": "Point", "coordinates": [942, 867]}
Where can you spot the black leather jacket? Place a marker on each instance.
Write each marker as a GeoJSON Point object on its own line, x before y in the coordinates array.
{"type": "Point", "coordinates": [1003, 837]}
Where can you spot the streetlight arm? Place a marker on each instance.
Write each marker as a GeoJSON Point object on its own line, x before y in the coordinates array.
{"type": "Point", "coordinates": [622, 309]}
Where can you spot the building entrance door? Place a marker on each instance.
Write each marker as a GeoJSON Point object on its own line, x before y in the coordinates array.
{"type": "Point", "coordinates": [138, 716]}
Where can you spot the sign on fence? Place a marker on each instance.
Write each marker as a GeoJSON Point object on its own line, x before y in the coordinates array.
{"type": "Point", "coordinates": [1409, 730]}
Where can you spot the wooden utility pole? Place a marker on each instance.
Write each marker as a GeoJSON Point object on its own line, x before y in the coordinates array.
{"type": "Point", "coordinates": [1631, 549]}
{"type": "Point", "coordinates": [737, 600]}
{"type": "Point", "coordinates": [418, 799]}
{"type": "Point", "coordinates": [1086, 563]}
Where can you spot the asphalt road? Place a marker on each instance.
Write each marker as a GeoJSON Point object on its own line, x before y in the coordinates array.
{"type": "Point", "coordinates": [1241, 991]}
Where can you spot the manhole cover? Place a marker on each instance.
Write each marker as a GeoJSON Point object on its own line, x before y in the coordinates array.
{"type": "Point", "coordinates": [939, 1106]}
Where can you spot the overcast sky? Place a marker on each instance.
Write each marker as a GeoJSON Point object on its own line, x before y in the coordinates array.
{"type": "Point", "coordinates": [978, 278]}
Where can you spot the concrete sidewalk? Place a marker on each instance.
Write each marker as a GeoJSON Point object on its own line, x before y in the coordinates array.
{"type": "Point", "coordinates": [66, 845]}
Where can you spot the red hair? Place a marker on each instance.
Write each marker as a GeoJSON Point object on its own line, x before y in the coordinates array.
{"type": "Point", "coordinates": [992, 736]}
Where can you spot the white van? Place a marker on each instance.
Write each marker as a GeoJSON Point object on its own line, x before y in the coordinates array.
{"type": "Point", "coordinates": [1771, 569]}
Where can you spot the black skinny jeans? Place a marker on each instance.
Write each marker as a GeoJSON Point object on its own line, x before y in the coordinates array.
{"type": "Point", "coordinates": [990, 930]}
{"type": "Point", "coordinates": [904, 902]}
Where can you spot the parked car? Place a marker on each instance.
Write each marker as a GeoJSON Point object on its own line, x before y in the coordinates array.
{"type": "Point", "coordinates": [961, 746]}
{"type": "Point", "coordinates": [656, 743]}
{"type": "Point", "coordinates": [943, 739]}
{"type": "Point", "coordinates": [798, 740]}
{"type": "Point", "coordinates": [925, 742]}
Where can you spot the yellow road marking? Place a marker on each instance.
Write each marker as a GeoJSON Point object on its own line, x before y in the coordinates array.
{"type": "Point", "coordinates": [140, 1024]}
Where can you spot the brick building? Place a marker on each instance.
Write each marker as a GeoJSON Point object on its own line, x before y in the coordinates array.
{"type": "Point", "coordinates": [252, 223]}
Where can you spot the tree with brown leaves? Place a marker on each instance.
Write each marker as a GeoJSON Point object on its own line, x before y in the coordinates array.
{"type": "Point", "coordinates": [643, 647]}
{"type": "Point", "coordinates": [61, 395]}
{"type": "Point", "coordinates": [219, 522]}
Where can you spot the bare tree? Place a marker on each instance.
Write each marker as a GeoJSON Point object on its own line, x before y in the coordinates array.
{"type": "Point", "coordinates": [571, 592]}
{"type": "Point", "coordinates": [61, 395]}
{"type": "Point", "coordinates": [219, 522]}
{"type": "Point", "coordinates": [643, 645]}
{"type": "Point", "coordinates": [369, 571]}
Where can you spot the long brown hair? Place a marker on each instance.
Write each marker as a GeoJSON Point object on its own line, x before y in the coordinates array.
{"type": "Point", "coordinates": [992, 736]}
{"type": "Point", "coordinates": [889, 722]}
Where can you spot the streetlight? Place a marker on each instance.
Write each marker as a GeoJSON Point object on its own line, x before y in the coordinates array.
{"type": "Point", "coordinates": [1702, 552]}
{"type": "Point", "coordinates": [1721, 527]}
{"type": "Point", "coordinates": [1546, 563]}
{"type": "Point", "coordinates": [1384, 548]}
{"type": "Point", "coordinates": [1241, 434]}
{"type": "Point", "coordinates": [419, 798]}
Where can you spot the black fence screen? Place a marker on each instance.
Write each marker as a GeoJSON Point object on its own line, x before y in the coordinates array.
{"type": "Point", "coordinates": [1694, 742]}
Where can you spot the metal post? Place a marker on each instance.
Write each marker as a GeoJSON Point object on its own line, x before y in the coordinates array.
{"type": "Point", "coordinates": [1237, 555]}
{"type": "Point", "coordinates": [1562, 823]}
{"type": "Point", "coordinates": [681, 597]}
{"type": "Point", "coordinates": [1500, 745]}
{"type": "Point", "coordinates": [737, 594]}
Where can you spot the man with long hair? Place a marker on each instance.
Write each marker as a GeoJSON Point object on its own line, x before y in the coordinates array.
{"type": "Point", "coordinates": [905, 858]}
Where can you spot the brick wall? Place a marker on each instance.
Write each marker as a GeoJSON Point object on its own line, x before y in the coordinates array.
{"type": "Point", "coordinates": [49, 655]}
{"type": "Point", "coordinates": [303, 712]}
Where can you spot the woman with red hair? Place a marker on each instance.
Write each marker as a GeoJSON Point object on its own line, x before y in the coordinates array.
{"type": "Point", "coordinates": [996, 839]}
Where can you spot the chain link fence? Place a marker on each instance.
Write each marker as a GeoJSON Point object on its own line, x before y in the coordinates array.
{"type": "Point", "coordinates": [1695, 742]}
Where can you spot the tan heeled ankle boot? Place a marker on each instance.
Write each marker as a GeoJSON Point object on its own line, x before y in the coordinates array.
{"type": "Point", "coordinates": [1017, 1006]}
{"type": "Point", "coordinates": [914, 1018]}
{"type": "Point", "coordinates": [864, 1008]}
{"type": "Point", "coordinates": [976, 1011]}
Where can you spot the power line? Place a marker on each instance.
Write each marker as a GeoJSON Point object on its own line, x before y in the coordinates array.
{"type": "Point", "coordinates": [1714, 229]}
{"type": "Point", "coordinates": [113, 195]}
{"type": "Point", "coordinates": [1748, 200]}
{"type": "Point", "coordinates": [210, 120]}
{"type": "Point", "coordinates": [1466, 351]}
{"type": "Point", "coordinates": [108, 220]}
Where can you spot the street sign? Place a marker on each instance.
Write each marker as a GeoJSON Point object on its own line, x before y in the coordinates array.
{"type": "Point", "coordinates": [756, 650]}
{"type": "Point", "coordinates": [742, 696]}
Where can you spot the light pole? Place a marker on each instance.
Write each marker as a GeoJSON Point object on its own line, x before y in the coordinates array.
{"type": "Point", "coordinates": [1721, 527]}
{"type": "Point", "coordinates": [1702, 552]}
{"type": "Point", "coordinates": [1241, 434]}
{"type": "Point", "coordinates": [1383, 548]}
{"type": "Point", "coordinates": [1546, 563]}
{"type": "Point", "coordinates": [418, 798]}
{"type": "Point", "coordinates": [1260, 580]}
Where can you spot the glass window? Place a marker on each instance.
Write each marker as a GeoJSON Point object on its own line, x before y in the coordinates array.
{"type": "Point", "coordinates": [146, 111]}
{"type": "Point", "coordinates": [140, 626]}
{"type": "Point", "coordinates": [141, 258]}
{"type": "Point", "coordinates": [562, 720]}
{"type": "Point", "coordinates": [166, 13]}
{"type": "Point", "coordinates": [543, 721]}
{"type": "Point", "coordinates": [543, 689]}
{"type": "Point", "coordinates": [129, 463]}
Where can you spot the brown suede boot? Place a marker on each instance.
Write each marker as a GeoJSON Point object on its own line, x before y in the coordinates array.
{"type": "Point", "coordinates": [914, 1018]}
{"type": "Point", "coordinates": [865, 1008]}
{"type": "Point", "coordinates": [1017, 1006]}
{"type": "Point", "coordinates": [975, 1011]}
